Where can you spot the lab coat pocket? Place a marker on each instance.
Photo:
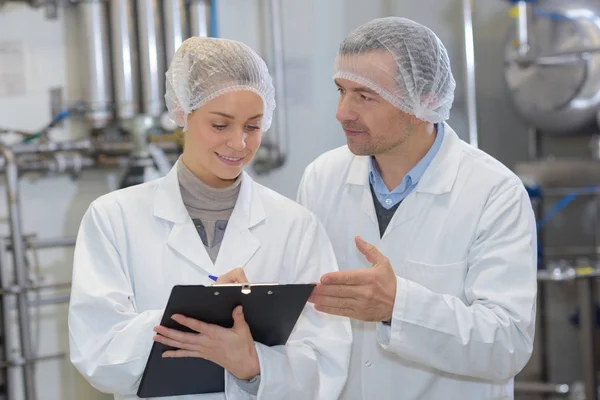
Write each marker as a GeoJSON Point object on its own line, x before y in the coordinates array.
{"type": "Point", "coordinates": [439, 278]}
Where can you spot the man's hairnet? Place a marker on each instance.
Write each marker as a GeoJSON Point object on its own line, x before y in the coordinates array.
{"type": "Point", "coordinates": [402, 61]}
{"type": "Point", "coordinates": [205, 68]}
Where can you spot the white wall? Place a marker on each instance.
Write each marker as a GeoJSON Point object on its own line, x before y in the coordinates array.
{"type": "Point", "coordinates": [313, 30]}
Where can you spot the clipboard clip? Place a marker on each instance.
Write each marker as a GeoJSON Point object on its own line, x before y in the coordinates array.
{"type": "Point", "coordinates": [246, 289]}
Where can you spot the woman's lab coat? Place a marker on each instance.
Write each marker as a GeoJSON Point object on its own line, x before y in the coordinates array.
{"type": "Point", "coordinates": [135, 244]}
{"type": "Point", "coordinates": [463, 246]}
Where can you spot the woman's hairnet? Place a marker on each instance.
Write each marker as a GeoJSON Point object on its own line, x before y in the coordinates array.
{"type": "Point", "coordinates": [402, 61]}
{"type": "Point", "coordinates": [205, 68]}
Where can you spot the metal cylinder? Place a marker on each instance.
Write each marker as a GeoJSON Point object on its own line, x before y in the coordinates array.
{"type": "Point", "coordinates": [470, 85]}
{"type": "Point", "coordinates": [125, 58]}
{"type": "Point", "coordinates": [152, 61]}
{"type": "Point", "coordinates": [200, 18]}
{"type": "Point", "coordinates": [523, 22]}
{"type": "Point", "coordinates": [20, 267]}
{"type": "Point", "coordinates": [95, 59]}
{"type": "Point", "coordinates": [175, 26]}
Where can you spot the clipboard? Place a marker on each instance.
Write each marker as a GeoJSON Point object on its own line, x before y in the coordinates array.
{"type": "Point", "coordinates": [271, 311]}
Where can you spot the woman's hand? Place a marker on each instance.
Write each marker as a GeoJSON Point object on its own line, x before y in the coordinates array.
{"type": "Point", "coordinates": [232, 349]}
{"type": "Point", "coordinates": [234, 276]}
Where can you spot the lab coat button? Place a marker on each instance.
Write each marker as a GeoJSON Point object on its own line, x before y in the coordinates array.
{"type": "Point", "coordinates": [368, 364]}
{"type": "Point", "coordinates": [388, 201]}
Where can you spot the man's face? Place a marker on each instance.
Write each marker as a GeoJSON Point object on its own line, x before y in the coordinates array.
{"type": "Point", "coordinates": [372, 125]}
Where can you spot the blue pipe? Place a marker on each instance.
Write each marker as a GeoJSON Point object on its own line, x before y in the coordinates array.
{"type": "Point", "coordinates": [214, 32]}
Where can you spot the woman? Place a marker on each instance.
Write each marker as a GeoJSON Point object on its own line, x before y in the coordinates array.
{"type": "Point", "coordinates": [205, 218]}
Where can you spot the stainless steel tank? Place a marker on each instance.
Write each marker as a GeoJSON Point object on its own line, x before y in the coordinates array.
{"type": "Point", "coordinates": [556, 86]}
{"type": "Point", "coordinates": [175, 27]}
{"type": "Point", "coordinates": [152, 56]}
{"type": "Point", "coordinates": [199, 18]}
{"type": "Point", "coordinates": [125, 58]}
{"type": "Point", "coordinates": [95, 60]}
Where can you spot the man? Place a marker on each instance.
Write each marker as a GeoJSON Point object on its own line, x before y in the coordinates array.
{"type": "Point", "coordinates": [436, 240]}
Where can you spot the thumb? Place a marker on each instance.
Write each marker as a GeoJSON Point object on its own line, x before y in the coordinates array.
{"type": "Point", "coordinates": [368, 250]}
{"type": "Point", "coordinates": [238, 319]}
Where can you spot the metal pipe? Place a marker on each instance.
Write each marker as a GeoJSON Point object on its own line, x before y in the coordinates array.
{"type": "Point", "coordinates": [20, 267]}
{"type": "Point", "coordinates": [199, 18]}
{"type": "Point", "coordinates": [95, 56]}
{"type": "Point", "coordinates": [50, 301]}
{"type": "Point", "coordinates": [542, 387]}
{"type": "Point", "coordinates": [86, 146]}
{"type": "Point", "coordinates": [523, 23]}
{"type": "Point", "coordinates": [470, 84]}
{"type": "Point", "coordinates": [281, 124]}
{"type": "Point", "coordinates": [125, 58]}
{"type": "Point", "coordinates": [570, 251]}
{"type": "Point", "coordinates": [175, 26]}
{"type": "Point", "coordinates": [46, 243]}
{"type": "Point", "coordinates": [6, 320]}
{"type": "Point", "coordinates": [48, 357]}
{"type": "Point", "coordinates": [152, 60]}
{"type": "Point", "coordinates": [587, 330]}
{"type": "Point", "coordinates": [51, 147]}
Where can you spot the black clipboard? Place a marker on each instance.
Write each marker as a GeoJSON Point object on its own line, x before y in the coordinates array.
{"type": "Point", "coordinates": [271, 311]}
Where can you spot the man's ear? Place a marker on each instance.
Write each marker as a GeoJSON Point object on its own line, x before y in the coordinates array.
{"type": "Point", "coordinates": [416, 121]}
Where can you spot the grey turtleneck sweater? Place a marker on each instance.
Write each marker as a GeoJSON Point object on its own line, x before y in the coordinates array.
{"type": "Point", "coordinates": [209, 208]}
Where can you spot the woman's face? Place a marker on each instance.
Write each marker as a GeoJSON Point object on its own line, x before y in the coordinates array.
{"type": "Point", "coordinates": [223, 136]}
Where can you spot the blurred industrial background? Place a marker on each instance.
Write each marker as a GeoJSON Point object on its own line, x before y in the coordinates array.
{"type": "Point", "coordinates": [82, 113]}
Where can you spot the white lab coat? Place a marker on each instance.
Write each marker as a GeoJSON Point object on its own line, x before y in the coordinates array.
{"type": "Point", "coordinates": [463, 246]}
{"type": "Point", "coordinates": [135, 244]}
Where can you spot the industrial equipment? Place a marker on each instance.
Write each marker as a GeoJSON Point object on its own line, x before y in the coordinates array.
{"type": "Point", "coordinates": [552, 68]}
{"type": "Point", "coordinates": [552, 76]}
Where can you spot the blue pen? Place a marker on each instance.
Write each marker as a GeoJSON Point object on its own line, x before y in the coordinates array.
{"type": "Point", "coordinates": [214, 278]}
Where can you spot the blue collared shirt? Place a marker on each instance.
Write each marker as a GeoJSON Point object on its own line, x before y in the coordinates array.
{"type": "Point", "coordinates": [387, 198]}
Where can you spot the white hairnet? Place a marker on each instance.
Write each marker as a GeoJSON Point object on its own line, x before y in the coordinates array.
{"type": "Point", "coordinates": [205, 68]}
{"type": "Point", "coordinates": [411, 71]}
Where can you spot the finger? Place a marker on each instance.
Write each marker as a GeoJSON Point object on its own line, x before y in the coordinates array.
{"type": "Point", "coordinates": [344, 312]}
{"type": "Point", "coordinates": [194, 324]}
{"type": "Point", "coordinates": [239, 322]}
{"type": "Point", "coordinates": [182, 354]}
{"type": "Point", "coordinates": [176, 344]}
{"type": "Point", "coordinates": [343, 291]}
{"type": "Point", "coordinates": [335, 302]}
{"type": "Point", "coordinates": [183, 337]}
{"type": "Point", "coordinates": [370, 252]}
{"type": "Point", "coordinates": [234, 276]}
{"type": "Point", "coordinates": [353, 277]}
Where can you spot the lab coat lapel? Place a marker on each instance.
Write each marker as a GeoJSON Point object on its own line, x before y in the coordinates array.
{"type": "Point", "coordinates": [239, 244]}
{"type": "Point", "coordinates": [438, 179]}
{"type": "Point", "coordinates": [183, 237]}
{"type": "Point", "coordinates": [359, 176]}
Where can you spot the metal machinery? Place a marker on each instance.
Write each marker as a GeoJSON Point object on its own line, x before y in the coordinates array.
{"type": "Point", "coordinates": [127, 45]}
{"type": "Point", "coordinates": [552, 76]}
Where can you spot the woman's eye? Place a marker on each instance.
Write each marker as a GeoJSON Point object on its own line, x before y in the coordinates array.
{"type": "Point", "coordinates": [219, 127]}
{"type": "Point", "coordinates": [252, 127]}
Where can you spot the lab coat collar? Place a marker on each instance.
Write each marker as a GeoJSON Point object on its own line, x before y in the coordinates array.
{"type": "Point", "coordinates": [168, 204]}
{"type": "Point", "coordinates": [437, 179]}
{"type": "Point", "coordinates": [239, 244]}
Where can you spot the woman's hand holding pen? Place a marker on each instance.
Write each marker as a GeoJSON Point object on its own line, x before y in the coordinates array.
{"type": "Point", "coordinates": [234, 276]}
{"type": "Point", "coordinates": [232, 349]}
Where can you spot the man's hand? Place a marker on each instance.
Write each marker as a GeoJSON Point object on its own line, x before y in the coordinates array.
{"type": "Point", "coordinates": [234, 276]}
{"type": "Point", "coordinates": [232, 349]}
{"type": "Point", "coordinates": [366, 294]}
